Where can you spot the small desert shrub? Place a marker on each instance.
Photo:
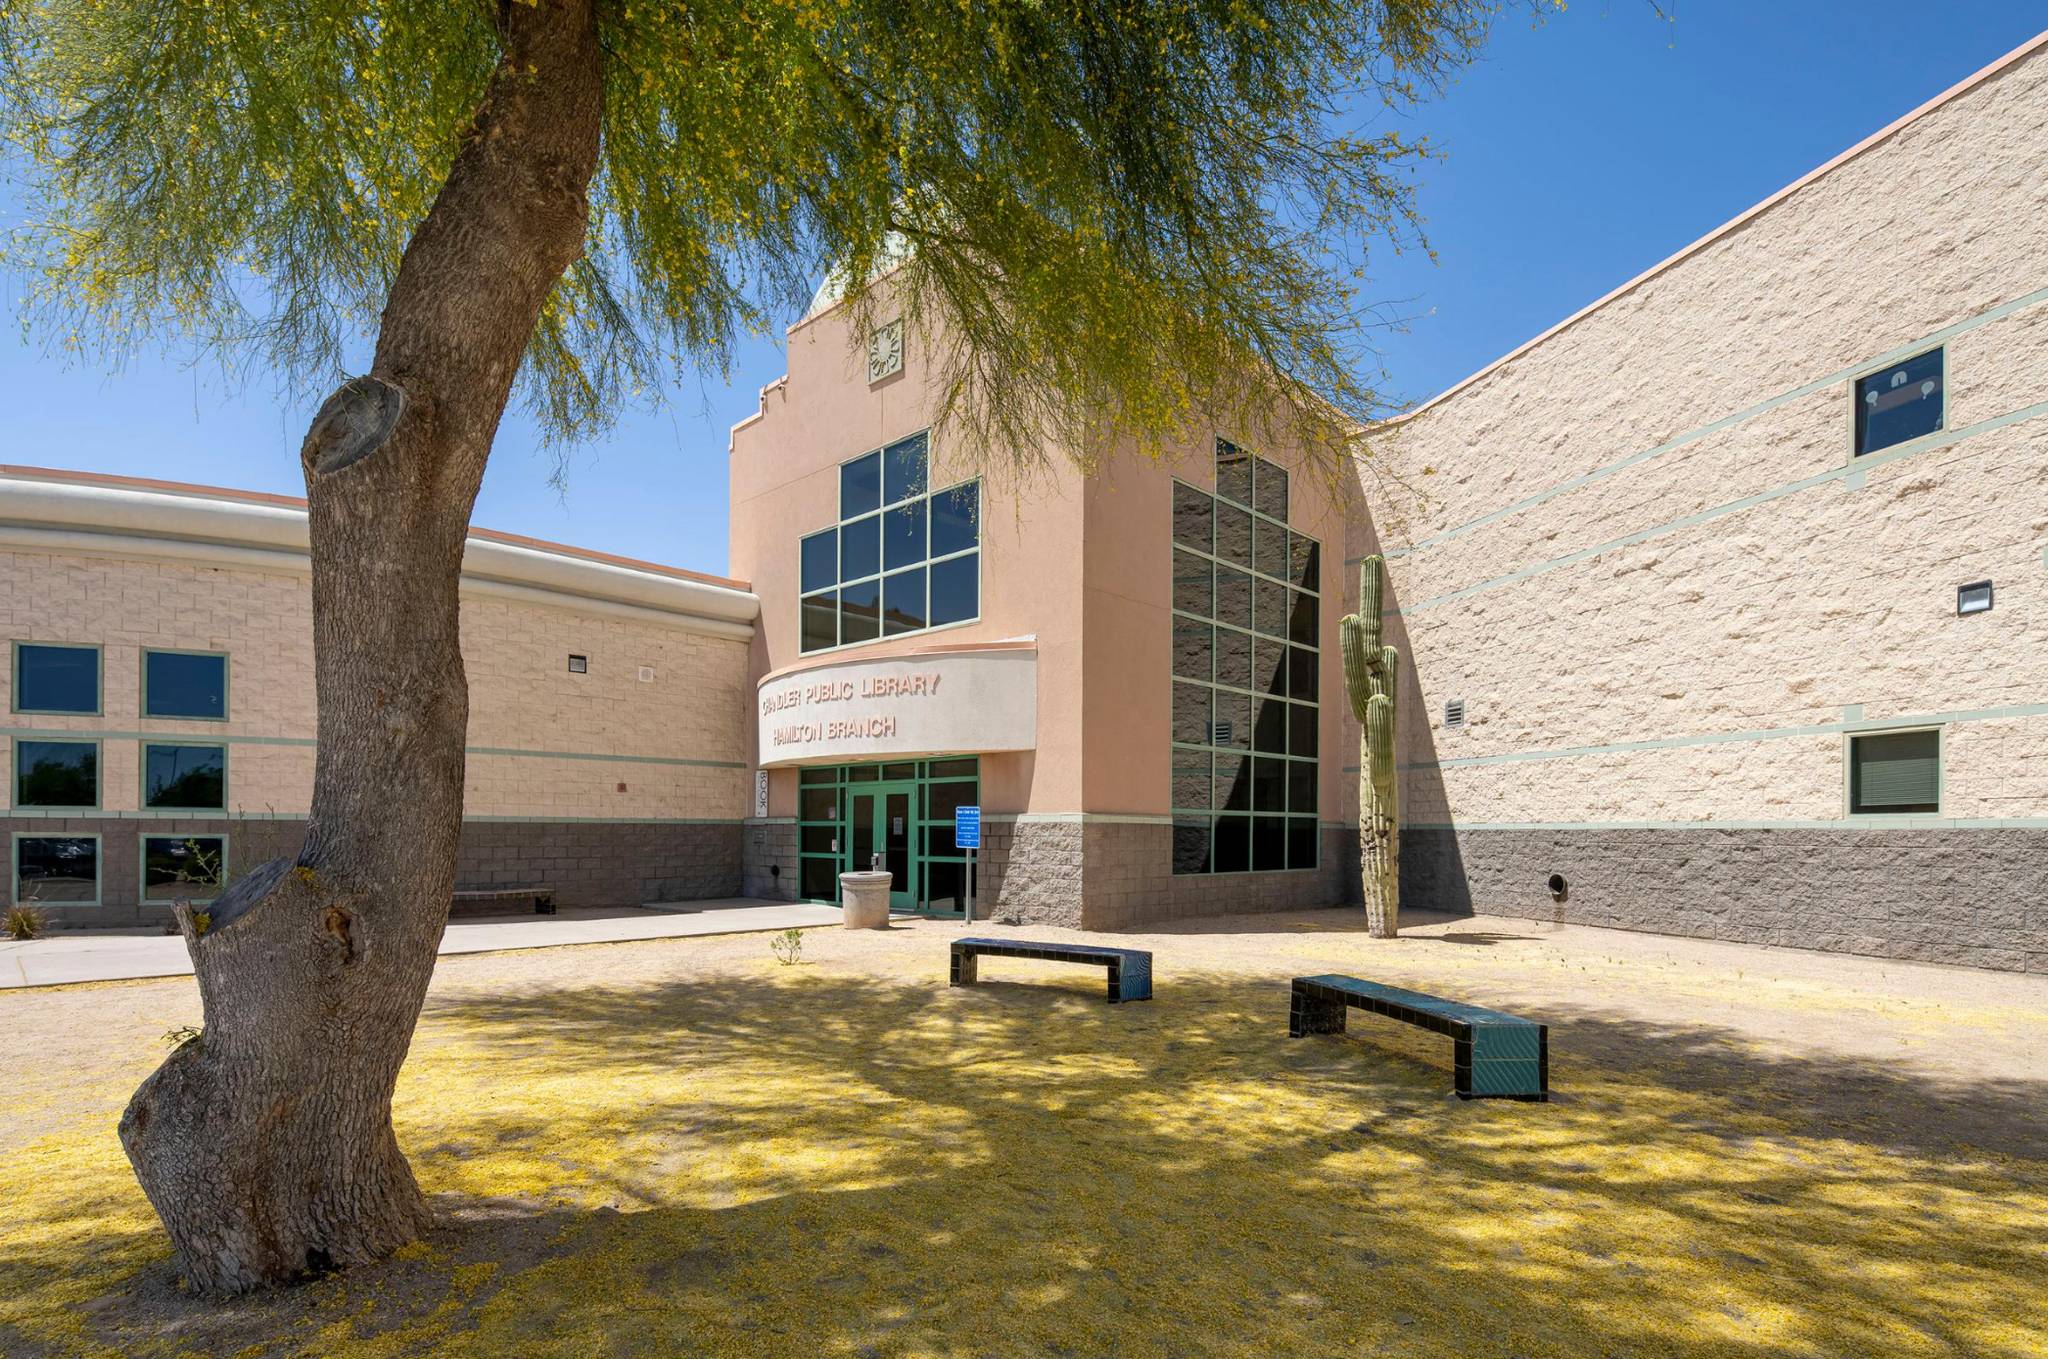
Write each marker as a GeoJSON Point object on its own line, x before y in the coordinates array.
{"type": "Point", "coordinates": [787, 946]}
{"type": "Point", "coordinates": [24, 922]}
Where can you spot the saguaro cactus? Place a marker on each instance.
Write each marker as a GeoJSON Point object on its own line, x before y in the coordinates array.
{"type": "Point", "coordinates": [1369, 680]}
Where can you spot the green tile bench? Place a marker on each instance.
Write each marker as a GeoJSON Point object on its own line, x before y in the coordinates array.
{"type": "Point", "coordinates": [1130, 969]}
{"type": "Point", "coordinates": [494, 900]}
{"type": "Point", "coordinates": [1497, 1056]}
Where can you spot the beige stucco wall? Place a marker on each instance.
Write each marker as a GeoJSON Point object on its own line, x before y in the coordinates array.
{"type": "Point", "coordinates": [1649, 528]}
{"type": "Point", "coordinates": [602, 745]}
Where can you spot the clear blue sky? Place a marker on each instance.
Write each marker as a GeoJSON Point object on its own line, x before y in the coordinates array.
{"type": "Point", "coordinates": [1577, 153]}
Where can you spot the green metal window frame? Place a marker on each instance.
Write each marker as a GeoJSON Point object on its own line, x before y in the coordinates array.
{"type": "Point", "coordinates": [1858, 378]}
{"type": "Point", "coordinates": [1184, 755]}
{"type": "Point", "coordinates": [843, 779]}
{"type": "Point", "coordinates": [99, 684]}
{"type": "Point", "coordinates": [58, 738]}
{"type": "Point", "coordinates": [880, 575]}
{"type": "Point", "coordinates": [142, 773]}
{"type": "Point", "coordinates": [142, 839]}
{"type": "Point", "coordinates": [142, 684]}
{"type": "Point", "coordinates": [99, 865]}
{"type": "Point", "coordinates": [1850, 741]}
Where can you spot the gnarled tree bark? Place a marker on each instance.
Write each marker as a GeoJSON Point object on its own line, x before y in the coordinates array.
{"type": "Point", "coordinates": [266, 1144]}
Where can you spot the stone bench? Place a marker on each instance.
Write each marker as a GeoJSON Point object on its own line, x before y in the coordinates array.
{"type": "Point", "coordinates": [497, 900]}
{"type": "Point", "coordinates": [1130, 969]}
{"type": "Point", "coordinates": [1497, 1055]}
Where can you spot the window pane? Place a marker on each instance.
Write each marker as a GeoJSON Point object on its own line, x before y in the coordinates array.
{"type": "Point", "coordinates": [55, 869]}
{"type": "Point", "coordinates": [1191, 713]}
{"type": "Point", "coordinates": [56, 774]}
{"type": "Point", "coordinates": [1231, 727]}
{"type": "Point", "coordinates": [1194, 647]}
{"type": "Point", "coordinates": [180, 685]}
{"type": "Point", "coordinates": [1191, 780]}
{"type": "Point", "coordinates": [1301, 625]}
{"type": "Point", "coordinates": [903, 535]}
{"type": "Point", "coordinates": [1269, 785]}
{"type": "Point", "coordinates": [819, 569]}
{"type": "Point", "coordinates": [1301, 843]}
{"type": "Point", "coordinates": [1895, 772]}
{"type": "Point", "coordinates": [965, 767]}
{"type": "Point", "coordinates": [1233, 658]}
{"type": "Point", "coordinates": [1233, 844]}
{"type": "Point", "coordinates": [819, 839]}
{"type": "Point", "coordinates": [1301, 731]}
{"type": "Point", "coordinates": [1233, 783]}
{"type": "Point", "coordinates": [1194, 590]}
{"type": "Point", "coordinates": [184, 776]}
{"type": "Point", "coordinates": [56, 679]}
{"type": "Point", "coordinates": [1233, 472]}
{"type": "Point", "coordinates": [175, 866]}
{"type": "Point", "coordinates": [1269, 548]}
{"type": "Point", "coordinates": [1301, 786]}
{"type": "Point", "coordinates": [1191, 518]}
{"type": "Point", "coordinates": [1234, 534]}
{"type": "Point", "coordinates": [956, 590]}
{"type": "Point", "coordinates": [1900, 403]}
{"type": "Point", "coordinates": [825, 775]}
{"type": "Point", "coordinates": [860, 612]}
{"type": "Point", "coordinates": [860, 486]}
{"type": "Point", "coordinates": [1270, 609]}
{"type": "Point", "coordinates": [820, 621]}
{"type": "Point", "coordinates": [1269, 666]}
{"type": "Point", "coordinates": [947, 798]}
{"type": "Point", "coordinates": [1269, 844]}
{"type": "Point", "coordinates": [860, 548]}
{"type": "Point", "coordinates": [1301, 674]}
{"type": "Point", "coordinates": [863, 773]}
{"type": "Point", "coordinates": [820, 879]}
{"type": "Point", "coordinates": [903, 601]}
{"type": "Point", "coordinates": [1191, 845]}
{"type": "Point", "coordinates": [906, 769]}
{"type": "Point", "coordinates": [903, 470]}
{"type": "Point", "coordinates": [1305, 569]}
{"type": "Point", "coordinates": [1233, 597]}
{"type": "Point", "coordinates": [945, 886]}
{"type": "Point", "coordinates": [1269, 488]}
{"type": "Point", "coordinates": [956, 519]}
{"type": "Point", "coordinates": [1272, 729]}
{"type": "Point", "coordinates": [818, 804]}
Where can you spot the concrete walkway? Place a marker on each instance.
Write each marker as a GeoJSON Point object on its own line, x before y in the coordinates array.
{"type": "Point", "coordinates": [100, 955]}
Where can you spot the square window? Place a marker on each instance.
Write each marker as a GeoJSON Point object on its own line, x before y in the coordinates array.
{"type": "Point", "coordinates": [184, 684]}
{"type": "Point", "coordinates": [56, 773]}
{"type": "Point", "coordinates": [819, 879]}
{"type": "Point", "coordinates": [1193, 516]}
{"type": "Point", "coordinates": [947, 798]}
{"type": "Point", "coordinates": [1899, 402]}
{"type": "Point", "coordinates": [818, 804]}
{"type": "Point", "coordinates": [193, 777]}
{"type": "Point", "coordinates": [956, 590]}
{"type": "Point", "coordinates": [1233, 472]}
{"type": "Point", "coordinates": [903, 606]}
{"type": "Point", "coordinates": [820, 621]}
{"type": "Point", "coordinates": [820, 839]}
{"type": "Point", "coordinates": [1895, 772]}
{"type": "Point", "coordinates": [56, 679]}
{"type": "Point", "coordinates": [187, 867]}
{"type": "Point", "coordinates": [818, 568]}
{"type": "Point", "coordinates": [956, 519]}
{"type": "Point", "coordinates": [860, 486]}
{"type": "Point", "coordinates": [903, 469]}
{"type": "Point", "coordinates": [57, 870]}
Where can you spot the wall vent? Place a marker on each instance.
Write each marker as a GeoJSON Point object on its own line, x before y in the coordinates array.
{"type": "Point", "coordinates": [1220, 733]}
{"type": "Point", "coordinates": [1454, 712]}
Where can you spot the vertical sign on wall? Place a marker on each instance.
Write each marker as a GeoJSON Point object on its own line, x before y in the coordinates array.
{"type": "Point", "coordinates": [967, 836]}
{"type": "Point", "coordinates": [760, 792]}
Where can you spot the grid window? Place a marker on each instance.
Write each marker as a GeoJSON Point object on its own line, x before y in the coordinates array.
{"type": "Point", "coordinates": [56, 773]}
{"type": "Point", "coordinates": [185, 684]}
{"type": "Point", "coordinates": [902, 558]}
{"type": "Point", "coordinates": [183, 867]}
{"type": "Point", "coordinates": [185, 777]}
{"type": "Point", "coordinates": [56, 679]}
{"type": "Point", "coordinates": [57, 870]}
{"type": "Point", "coordinates": [1245, 664]}
{"type": "Point", "coordinates": [1901, 402]}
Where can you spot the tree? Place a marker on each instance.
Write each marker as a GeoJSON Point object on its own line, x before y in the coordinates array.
{"type": "Point", "coordinates": [1126, 219]}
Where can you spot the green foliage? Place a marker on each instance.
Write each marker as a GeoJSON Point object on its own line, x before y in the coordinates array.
{"type": "Point", "coordinates": [788, 946]}
{"type": "Point", "coordinates": [24, 921]}
{"type": "Point", "coordinates": [1123, 219]}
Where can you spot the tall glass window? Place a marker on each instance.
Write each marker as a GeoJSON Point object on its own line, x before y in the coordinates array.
{"type": "Point", "coordinates": [1246, 662]}
{"type": "Point", "coordinates": [902, 558]}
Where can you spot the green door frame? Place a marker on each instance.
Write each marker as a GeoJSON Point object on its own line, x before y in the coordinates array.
{"type": "Point", "coordinates": [891, 830]}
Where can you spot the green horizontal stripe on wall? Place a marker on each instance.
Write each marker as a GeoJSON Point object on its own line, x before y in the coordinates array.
{"type": "Point", "coordinates": [1806, 389]}
{"type": "Point", "coordinates": [1716, 738]}
{"type": "Point", "coordinates": [1852, 823]}
{"type": "Point", "coordinates": [1846, 474]}
{"type": "Point", "coordinates": [222, 739]}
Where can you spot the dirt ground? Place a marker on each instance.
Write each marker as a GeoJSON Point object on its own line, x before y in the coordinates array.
{"type": "Point", "coordinates": [682, 1147]}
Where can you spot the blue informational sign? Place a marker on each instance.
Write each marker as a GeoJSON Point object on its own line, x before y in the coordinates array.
{"type": "Point", "coordinates": [967, 827]}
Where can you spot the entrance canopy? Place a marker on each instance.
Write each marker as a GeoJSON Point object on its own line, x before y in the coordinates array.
{"type": "Point", "coordinates": [970, 701]}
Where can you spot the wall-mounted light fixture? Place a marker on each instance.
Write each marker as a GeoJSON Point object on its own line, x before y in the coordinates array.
{"type": "Point", "coordinates": [579, 665]}
{"type": "Point", "coordinates": [1973, 598]}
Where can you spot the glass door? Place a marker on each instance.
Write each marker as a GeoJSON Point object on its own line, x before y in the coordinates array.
{"type": "Point", "coordinates": [881, 822]}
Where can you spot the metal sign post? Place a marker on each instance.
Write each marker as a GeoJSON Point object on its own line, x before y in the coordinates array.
{"type": "Point", "coordinates": [967, 836]}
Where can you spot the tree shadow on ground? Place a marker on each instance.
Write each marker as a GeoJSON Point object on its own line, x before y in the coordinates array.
{"type": "Point", "coordinates": [816, 1163]}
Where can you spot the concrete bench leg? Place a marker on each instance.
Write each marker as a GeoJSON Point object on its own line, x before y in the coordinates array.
{"type": "Point", "coordinates": [966, 968]}
{"type": "Point", "coordinates": [1312, 1015]}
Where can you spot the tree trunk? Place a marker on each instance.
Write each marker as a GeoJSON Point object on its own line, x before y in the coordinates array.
{"type": "Point", "coordinates": [266, 1143]}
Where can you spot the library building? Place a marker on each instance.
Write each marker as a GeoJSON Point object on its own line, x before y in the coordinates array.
{"type": "Point", "coordinates": [1721, 609]}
